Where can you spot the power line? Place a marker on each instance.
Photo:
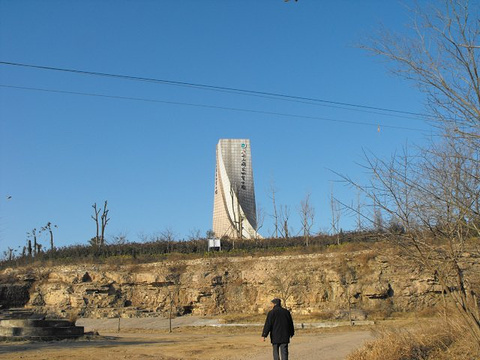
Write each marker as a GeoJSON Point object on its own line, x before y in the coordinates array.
{"type": "Point", "coordinates": [376, 125]}
{"type": "Point", "coordinates": [350, 106]}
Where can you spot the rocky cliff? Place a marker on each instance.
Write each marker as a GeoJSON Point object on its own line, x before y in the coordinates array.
{"type": "Point", "coordinates": [325, 284]}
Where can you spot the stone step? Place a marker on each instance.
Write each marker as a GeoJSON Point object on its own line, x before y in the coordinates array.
{"type": "Point", "coordinates": [42, 332]}
{"type": "Point", "coordinates": [7, 323]}
{"type": "Point", "coordinates": [15, 313]}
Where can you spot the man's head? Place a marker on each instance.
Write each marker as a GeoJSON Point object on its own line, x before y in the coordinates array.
{"type": "Point", "coordinates": [276, 302]}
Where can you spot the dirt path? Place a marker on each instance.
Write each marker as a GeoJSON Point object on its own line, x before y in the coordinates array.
{"type": "Point", "coordinates": [333, 346]}
{"type": "Point", "coordinates": [196, 343]}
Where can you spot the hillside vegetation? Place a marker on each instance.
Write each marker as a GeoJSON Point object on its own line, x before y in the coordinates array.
{"type": "Point", "coordinates": [159, 249]}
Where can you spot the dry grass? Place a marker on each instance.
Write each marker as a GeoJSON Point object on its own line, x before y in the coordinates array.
{"type": "Point", "coordinates": [325, 315]}
{"type": "Point", "coordinates": [244, 318]}
{"type": "Point", "coordinates": [431, 340]}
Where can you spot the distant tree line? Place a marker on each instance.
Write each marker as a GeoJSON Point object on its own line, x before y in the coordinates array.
{"type": "Point", "coordinates": [156, 248]}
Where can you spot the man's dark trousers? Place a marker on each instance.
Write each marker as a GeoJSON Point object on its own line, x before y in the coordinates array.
{"type": "Point", "coordinates": [283, 349]}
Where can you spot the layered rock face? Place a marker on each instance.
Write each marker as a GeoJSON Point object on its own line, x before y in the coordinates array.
{"type": "Point", "coordinates": [325, 284]}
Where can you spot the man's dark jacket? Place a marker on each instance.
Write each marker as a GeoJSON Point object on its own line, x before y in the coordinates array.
{"type": "Point", "coordinates": [279, 324]}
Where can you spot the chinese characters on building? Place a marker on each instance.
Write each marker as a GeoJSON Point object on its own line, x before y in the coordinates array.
{"type": "Point", "coordinates": [243, 164]}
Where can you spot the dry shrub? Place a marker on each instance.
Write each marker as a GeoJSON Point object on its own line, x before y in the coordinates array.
{"type": "Point", "coordinates": [461, 349]}
{"type": "Point", "coordinates": [364, 258]}
{"type": "Point", "coordinates": [383, 310]}
{"type": "Point", "coordinates": [134, 268]}
{"type": "Point", "coordinates": [433, 340]}
{"type": "Point", "coordinates": [430, 312]}
{"type": "Point", "coordinates": [464, 346]}
{"type": "Point", "coordinates": [241, 318]}
{"type": "Point", "coordinates": [346, 247]}
{"type": "Point", "coordinates": [404, 344]}
{"type": "Point", "coordinates": [178, 268]}
{"type": "Point", "coordinates": [323, 315]}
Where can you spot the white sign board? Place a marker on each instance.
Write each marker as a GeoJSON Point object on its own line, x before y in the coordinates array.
{"type": "Point", "coordinates": [213, 243]}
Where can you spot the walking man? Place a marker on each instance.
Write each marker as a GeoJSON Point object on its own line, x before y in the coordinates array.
{"type": "Point", "coordinates": [279, 324]}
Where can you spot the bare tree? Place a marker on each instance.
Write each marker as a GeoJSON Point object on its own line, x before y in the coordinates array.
{"type": "Point", "coordinates": [95, 218]}
{"type": "Point", "coordinates": [275, 216]}
{"type": "Point", "coordinates": [143, 237]}
{"type": "Point", "coordinates": [260, 216]}
{"type": "Point", "coordinates": [9, 254]}
{"type": "Point", "coordinates": [359, 212]}
{"type": "Point", "coordinates": [105, 219]}
{"type": "Point", "coordinates": [237, 214]}
{"type": "Point", "coordinates": [169, 236]}
{"type": "Point", "coordinates": [100, 223]}
{"type": "Point", "coordinates": [434, 197]}
{"type": "Point", "coordinates": [284, 220]}
{"type": "Point", "coordinates": [32, 236]}
{"type": "Point", "coordinates": [285, 284]}
{"type": "Point", "coordinates": [29, 245]}
{"type": "Point", "coordinates": [335, 210]}
{"type": "Point", "coordinates": [442, 59]}
{"type": "Point", "coordinates": [435, 194]}
{"type": "Point", "coordinates": [307, 215]}
{"type": "Point", "coordinates": [195, 234]}
{"type": "Point", "coordinates": [48, 227]}
{"type": "Point", "coordinates": [119, 239]}
{"type": "Point", "coordinates": [173, 285]}
{"type": "Point", "coordinates": [378, 223]}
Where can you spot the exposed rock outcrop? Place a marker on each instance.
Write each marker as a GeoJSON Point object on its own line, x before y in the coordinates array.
{"type": "Point", "coordinates": [313, 283]}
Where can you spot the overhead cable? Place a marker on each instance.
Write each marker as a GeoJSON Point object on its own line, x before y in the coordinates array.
{"type": "Point", "coordinates": [221, 89]}
{"type": "Point", "coordinates": [376, 125]}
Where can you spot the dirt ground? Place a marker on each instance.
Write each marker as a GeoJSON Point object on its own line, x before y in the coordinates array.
{"type": "Point", "coordinates": [192, 339]}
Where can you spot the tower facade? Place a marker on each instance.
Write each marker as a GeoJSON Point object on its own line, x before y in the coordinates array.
{"type": "Point", "coordinates": [234, 210]}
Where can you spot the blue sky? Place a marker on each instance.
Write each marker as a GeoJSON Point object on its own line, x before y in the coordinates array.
{"type": "Point", "coordinates": [154, 161]}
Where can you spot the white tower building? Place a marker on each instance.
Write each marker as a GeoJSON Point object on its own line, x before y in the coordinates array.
{"type": "Point", "coordinates": [234, 210]}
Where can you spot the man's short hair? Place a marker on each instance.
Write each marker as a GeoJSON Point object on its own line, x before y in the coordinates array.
{"type": "Point", "coordinates": [276, 301]}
